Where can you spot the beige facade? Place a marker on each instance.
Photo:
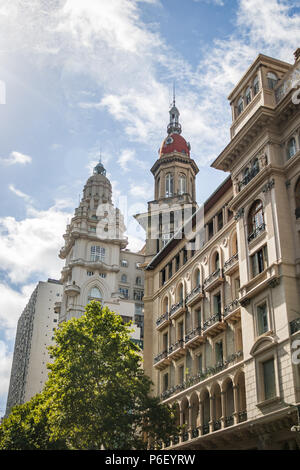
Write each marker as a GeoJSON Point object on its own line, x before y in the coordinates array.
{"type": "Point", "coordinates": [222, 314]}
{"type": "Point", "coordinates": [97, 264]}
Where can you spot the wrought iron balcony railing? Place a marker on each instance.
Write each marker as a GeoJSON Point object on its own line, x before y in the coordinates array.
{"type": "Point", "coordinates": [229, 421]}
{"type": "Point", "coordinates": [212, 320]}
{"type": "Point", "coordinates": [242, 416]}
{"type": "Point", "coordinates": [209, 371]}
{"type": "Point", "coordinates": [231, 261]}
{"type": "Point", "coordinates": [297, 212]}
{"type": "Point", "coordinates": [176, 307]}
{"type": "Point", "coordinates": [193, 333]}
{"type": "Point", "coordinates": [162, 318]}
{"type": "Point", "coordinates": [231, 307]}
{"type": "Point", "coordinates": [197, 290]}
{"type": "Point", "coordinates": [248, 177]}
{"type": "Point", "coordinates": [161, 356]}
{"type": "Point", "coordinates": [295, 325]}
{"type": "Point", "coordinates": [256, 232]}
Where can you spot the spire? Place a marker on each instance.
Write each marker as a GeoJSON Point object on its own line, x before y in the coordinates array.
{"type": "Point", "coordinates": [99, 168]}
{"type": "Point", "coordinates": [174, 126]}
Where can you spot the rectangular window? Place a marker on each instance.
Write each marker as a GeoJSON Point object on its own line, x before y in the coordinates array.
{"type": "Point", "coordinates": [138, 294]}
{"type": "Point", "coordinates": [165, 342]}
{"type": "Point", "coordinates": [217, 303]}
{"type": "Point", "coordinates": [259, 261]}
{"type": "Point", "coordinates": [165, 382]}
{"type": "Point", "coordinates": [185, 256]}
{"type": "Point", "coordinates": [219, 352]}
{"type": "Point", "coordinates": [177, 261]}
{"type": "Point", "coordinates": [124, 292]}
{"type": "Point", "coordinates": [269, 379]}
{"type": "Point", "coordinates": [220, 220]}
{"type": "Point", "coordinates": [199, 361]}
{"type": "Point", "coordinates": [210, 229]}
{"type": "Point", "coordinates": [180, 330]}
{"type": "Point", "coordinates": [198, 317]}
{"type": "Point", "coordinates": [181, 374]}
{"type": "Point", "coordinates": [163, 276]}
{"type": "Point", "coordinates": [237, 285]}
{"type": "Point", "coordinates": [262, 319]}
{"type": "Point", "coordinates": [170, 270]}
{"type": "Point", "coordinates": [97, 253]}
{"type": "Point", "coordinates": [124, 263]}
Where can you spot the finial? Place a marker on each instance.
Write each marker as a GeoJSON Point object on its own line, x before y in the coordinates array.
{"type": "Point", "coordinates": [173, 92]}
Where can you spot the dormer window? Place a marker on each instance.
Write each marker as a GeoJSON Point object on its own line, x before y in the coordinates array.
{"type": "Point", "coordinates": [248, 95]}
{"type": "Point", "coordinates": [272, 80]}
{"type": "Point", "coordinates": [182, 184]}
{"type": "Point", "coordinates": [291, 148]}
{"type": "Point", "coordinates": [169, 185]}
{"type": "Point", "coordinates": [240, 105]}
{"type": "Point", "coordinates": [255, 85]}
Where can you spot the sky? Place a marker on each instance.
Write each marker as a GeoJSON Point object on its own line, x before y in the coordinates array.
{"type": "Point", "coordinates": [84, 78]}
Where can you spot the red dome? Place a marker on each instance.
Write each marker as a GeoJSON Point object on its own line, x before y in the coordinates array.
{"type": "Point", "coordinates": [174, 143]}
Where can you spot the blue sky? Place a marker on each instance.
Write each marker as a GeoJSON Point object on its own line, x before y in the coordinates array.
{"type": "Point", "coordinates": [82, 77]}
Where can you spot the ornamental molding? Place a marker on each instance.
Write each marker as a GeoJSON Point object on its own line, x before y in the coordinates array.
{"type": "Point", "coordinates": [268, 186]}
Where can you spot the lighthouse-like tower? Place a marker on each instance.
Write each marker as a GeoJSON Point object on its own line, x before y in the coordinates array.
{"type": "Point", "coordinates": [93, 252]}
{"type": "Point", "coordinates": [174, 188]}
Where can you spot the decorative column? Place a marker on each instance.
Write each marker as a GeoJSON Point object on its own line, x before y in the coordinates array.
{"type": "Point", "coordinates": [223, 404]}
{"type": "Point", "coordinates": [212, 415]}
{"type": "Point", "coordinates": [236, 404]}
{"type": "Point", "coordinates": [181, 422]}
{"type": "Point", "coordinates": [190, 429]}
{"type": "Point", "coordinates": [201, 417]}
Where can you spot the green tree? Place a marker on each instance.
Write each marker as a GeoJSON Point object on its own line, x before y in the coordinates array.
{"type": "Point", "coordinates": [97, 395]}
{"type": "Point", "coordinates": [27, 427]}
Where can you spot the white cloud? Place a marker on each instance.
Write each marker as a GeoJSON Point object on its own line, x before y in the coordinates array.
{"type": "Point", "coordinates": [31, 246]}
{"type": "Point", "coordinates": [128, 156]}
{"type": "Point", "coordinates": [19, 193]}
{"type": "Point", "coordinates": [5, 366]}
{"type": "Point", "coordinates": [144, 191]}
{"type": "Point", "coordinates": [16, 158]}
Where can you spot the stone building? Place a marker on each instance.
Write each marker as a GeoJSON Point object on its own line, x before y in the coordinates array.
{"type": "Point", "coordinates": [98, 265]}
{"type": "Point", "coordinates": [222, 315]}
{"type": "Point", "coordinates": [34, 334]}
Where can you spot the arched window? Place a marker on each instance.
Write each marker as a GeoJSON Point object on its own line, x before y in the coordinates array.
{"type": "Point", "coordinates": [240, 105]}
{"type": "Point", "coordinates": [255, 85]}
{"type": "Point", "coordinates": [272, 80]}
{"type": "Point", "coordinates": [138, 281]}
{"type": "Point", "coordinates": [197, 277]}
{"type": "Point", "coordinates": [291, 148]}
{"type": "Point", "coordinates": [123, 278]}
{"type": "Point", "coordinates": [216, 262]}
{"type": "Point", "coordinates": [248, 95]}
{"type": "Point", "coordinates": [182, 184]}
{"type": "Point", "coordinates": [180, 293]}
{"type": "Point", "coordinates": [255, 219]}
{"type": "Point", "coordinates": [169, 185]}
{"type": "Point", "coordinates": [234, 245]}
{"type": "Point", "coordinates": [166, 305]}
{"type": "Point", "coordinates": [94, 294]}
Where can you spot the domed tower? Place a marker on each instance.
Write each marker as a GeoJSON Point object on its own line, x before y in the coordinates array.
{"type": "Point", "coordinates": [174, 190]}
{"type": "Point", "coordinates": [93, 243]}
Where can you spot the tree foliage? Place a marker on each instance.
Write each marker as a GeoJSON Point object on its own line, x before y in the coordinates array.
{"type": "Point", "coordinates": [97, 395]}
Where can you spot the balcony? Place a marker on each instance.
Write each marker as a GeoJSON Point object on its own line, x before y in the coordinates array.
{"type": "Point", "coordinates": [256, 232]}
{"type": "Point", "coordinates": [194, 337]}
{"type": "Point", "coordinates": [295, 326]}
{"type": "Point", "coordinates": [194, 296]}
{"type": "Point", "coordinates": [72, 290]}
{"type": "Point", "coordinates": [232, 311]}
{"type": "Point", "coordinates": [217, 425]}
{"type": "Point", "coordinates": [214, 280]}
{"type": "Point", "coordinates": [203, 375]}
{"type": "Point", "coordinates": [229, 421]}
{"type": "Point", "coordinates": [242, 416]}
{"type": "Point", "coordinates": [176, 350]}
{"type": "Point", "coordinates": [248, 177]}
{"type": "Point", "coordinates": [162, 321]}
{"type": "Point", "coordinates": [231, 265]}
{"type": "Point", "coordinates": [177, 309]}
{"type": "Point", "coordinates": [297, 212]}
{"type": "Point", "coordinates": [161, 360]}
{"type": "Point", "coordinates": [57, 307]}
{"type": "Point", "coordinates": [214, 325]}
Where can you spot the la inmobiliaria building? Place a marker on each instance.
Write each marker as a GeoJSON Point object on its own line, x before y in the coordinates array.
{"type": "Point", "coordinates": [222, 301]}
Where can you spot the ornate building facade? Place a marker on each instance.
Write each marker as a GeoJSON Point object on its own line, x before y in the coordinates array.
{"type": "Point", "coordinates": [222, 295]}
{"type": "Point", "coordinates": [98, 266]}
